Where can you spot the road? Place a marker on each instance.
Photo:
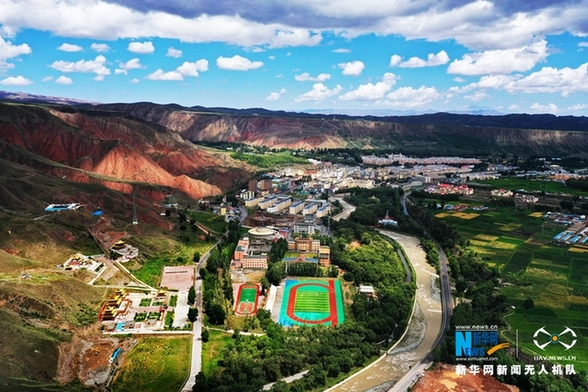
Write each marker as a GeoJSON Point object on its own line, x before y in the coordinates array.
{"type": "Point", "coordinates": [347, 209]}
{"type": "Point", "coordinates": [196, 361]}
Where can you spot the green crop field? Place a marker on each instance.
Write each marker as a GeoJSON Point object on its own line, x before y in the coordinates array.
{"type": "Point", "coordinates": [514, 184]}
{"type": "Point", "coordinates": [554, 277]}
{"type": "Point", "coordinates": [155, 364]}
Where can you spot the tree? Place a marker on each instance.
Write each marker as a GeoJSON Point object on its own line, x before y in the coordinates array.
{"type": "Point", "coordinates": [191, 295]}
{"type": "Point", "coordinates": [205, 335]}
{"type": "Point", "coordinates": [216, 314]}
{"type": "Point", "coordinates": [192, 314]}
{"type": "Point", "coordinates": [196, 257]}
{"type": "Point", "coordinates": [529, 303]}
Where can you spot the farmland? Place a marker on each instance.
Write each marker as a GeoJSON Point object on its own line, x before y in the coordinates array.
{"type": "Point", "coordinates": [518, 243]}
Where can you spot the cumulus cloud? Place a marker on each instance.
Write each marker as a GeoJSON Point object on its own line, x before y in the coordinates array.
{"type": "Point", "coordinates": [409, 97]}
{"type": "Point", "coordinates": [458, 79]}
{"type": "Point", "coordinates": [69, 47]}
{"type": "Point", "coordinates": [477, 96]}
{"type": "Point", "coordinates": [341, 50]}
{"type": "Point", "coordinates": [583, 44]}
{"type": "Point", "coordinates": [352, 68]}
{"type": "Point", "coordinates": [395, 60]}
{"type": "Point", "coordinates": [552, 80]}
{"type": "Point", "coordinates": [416, 62]}
{"type": "Point", "coordinates": [161, 75]}
{"type": "Point", "coordinates": [86, 66]}
{"type": "Point", "coordinates": [186, 69]}
{"type": "Point", "coordinates": [237, 63]}
{"type": "Point", "coordinates": [578, 106]}
{"type": "Point", "coordinates": [479, 25]}
{"type": "Point", "coordinates": [16, 81]}
{"type": "Point", "coordinates": [192, 69]}
{"type": "Point", "coordinates": [318, 93]}
{"type": "Point", "coordinates": [8, 51]}
{"type": "Point", "coordinates": [133, 63]}
{"type": "Point", "coordinates": [370, 91]}
{"type": "Point", "coordinates": [549, 108]}
{"type": "Point", "coordinates": [500, 61]}
{"type": "Point", "coordinates": [305, 77]}
{"type": "Point", "coordinates": [141, 47]}
{"type": "Point", "coordinates": [173, 52]}
{"type": "Point", "coordinates": [63, 80]}
{"type": "Point", "coordinates": [297, 37]}
{"type": "Point", "coordinates": [47, 78]}
{"type": "Point", "coordinates": [134, 81]}
{"type": "Point", "coordinates": [275, 95]}
{"type": "Point", "coordinates": [100, 48]}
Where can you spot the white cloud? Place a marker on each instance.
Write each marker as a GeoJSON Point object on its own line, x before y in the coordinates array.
{"type": "Point", "coordinates": [237, 63]}
{"type": "Point", "coordinates": [549, 108]}
{"type": "Point", "coordinates": [192, 69]}
{"type": "Point", "coordinates": [583, 44]}
{"type": "Point", "coordinates": [552, 80]}
{"type": "Point", "coordinates": [186, 69]}
{"type": "Point", "coordinates": [477, 96]}
{"type": "Point", "coordinates": [160, 75]}
{"type": "Point", "coordinates": [47, 78]}
{"type": "Point", "coordinates": [135, 80]}
{"type": "Point", "coordinates": [271, 57]}
{"type": "Point", "coordinates": [296, 37]}
{"type": "Point", "coordinates": [100, 48]}
{"type": "Point", "coordinates": [395, 60]}
{"type": "Point", "coordinates": [500, 61]}
{"type": "Point", "coordinates": [304, 77]}
{"type": "Point", "coordinates": [409, 97]}
{"type": "Point", "coordinates": [69, 48]}
{"type": "Point", "coordinates": [578, 106]}
{"type": "Point", "coordinates": [141, 47]}
{"type": "Point", "coordinates": [416, 62]}
{"type": "Point", "coordinates": [371, 92]}
{"type": "Point", "coordinates": [63, 80]}
{"type": "Point", "coordinates": [318, 93]}
{"type": "Point", "coordinates": [173, 52]}
{"type": "Point", "coordinates": [341, 50]}
{"type": "Point", "coordinates": [8, 51]}
{"type": "Point", "coordinates": [86, 66]}
{"type": "Point", "coordinates": [352, 68]}
{"type": "Point", "coordinates": [275, 96]}
{"type": "Point", "coordinates": [458, 79]}
{"type": "Point", "coordinates": [16, 81]}
{"type": "Point", "coordinates": [514, 106]}
{"type": "Point", "coordinates": [133, 63]}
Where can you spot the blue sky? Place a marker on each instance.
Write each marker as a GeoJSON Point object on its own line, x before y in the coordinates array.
{"type": "Point", "coordinates": [338, 55]}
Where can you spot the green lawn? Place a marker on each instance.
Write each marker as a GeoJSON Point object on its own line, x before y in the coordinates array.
{"type": "Point", "coordinates": [155, 364]}
{"type": "Point", "coordinates": [211, 350]}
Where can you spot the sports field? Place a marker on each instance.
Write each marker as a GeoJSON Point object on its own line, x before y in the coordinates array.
{"type": "Point", "coordinates": [246, 303]}
{"type": "Point", "coordinates": [311, 302]}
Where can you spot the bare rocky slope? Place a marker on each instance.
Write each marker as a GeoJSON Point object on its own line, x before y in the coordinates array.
{"type": "Point", "coordinates": [115, 150]}
{"type": "Point", "coordinates": [439, 134]}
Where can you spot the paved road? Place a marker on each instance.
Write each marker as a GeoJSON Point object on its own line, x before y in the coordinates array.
{"type": "Point", "coordinates": [347, 209]}
{"type": "Point", "coordinates": [196, 362]}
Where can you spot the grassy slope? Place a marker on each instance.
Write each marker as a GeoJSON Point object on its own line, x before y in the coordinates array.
{"type": "Point", "coordinates": [155, 364]}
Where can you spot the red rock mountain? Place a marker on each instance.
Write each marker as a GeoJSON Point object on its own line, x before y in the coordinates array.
{"type": "Point", "coordinates": [434, 134]}
{"type": "Point", "coordinates": [110, 148]}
